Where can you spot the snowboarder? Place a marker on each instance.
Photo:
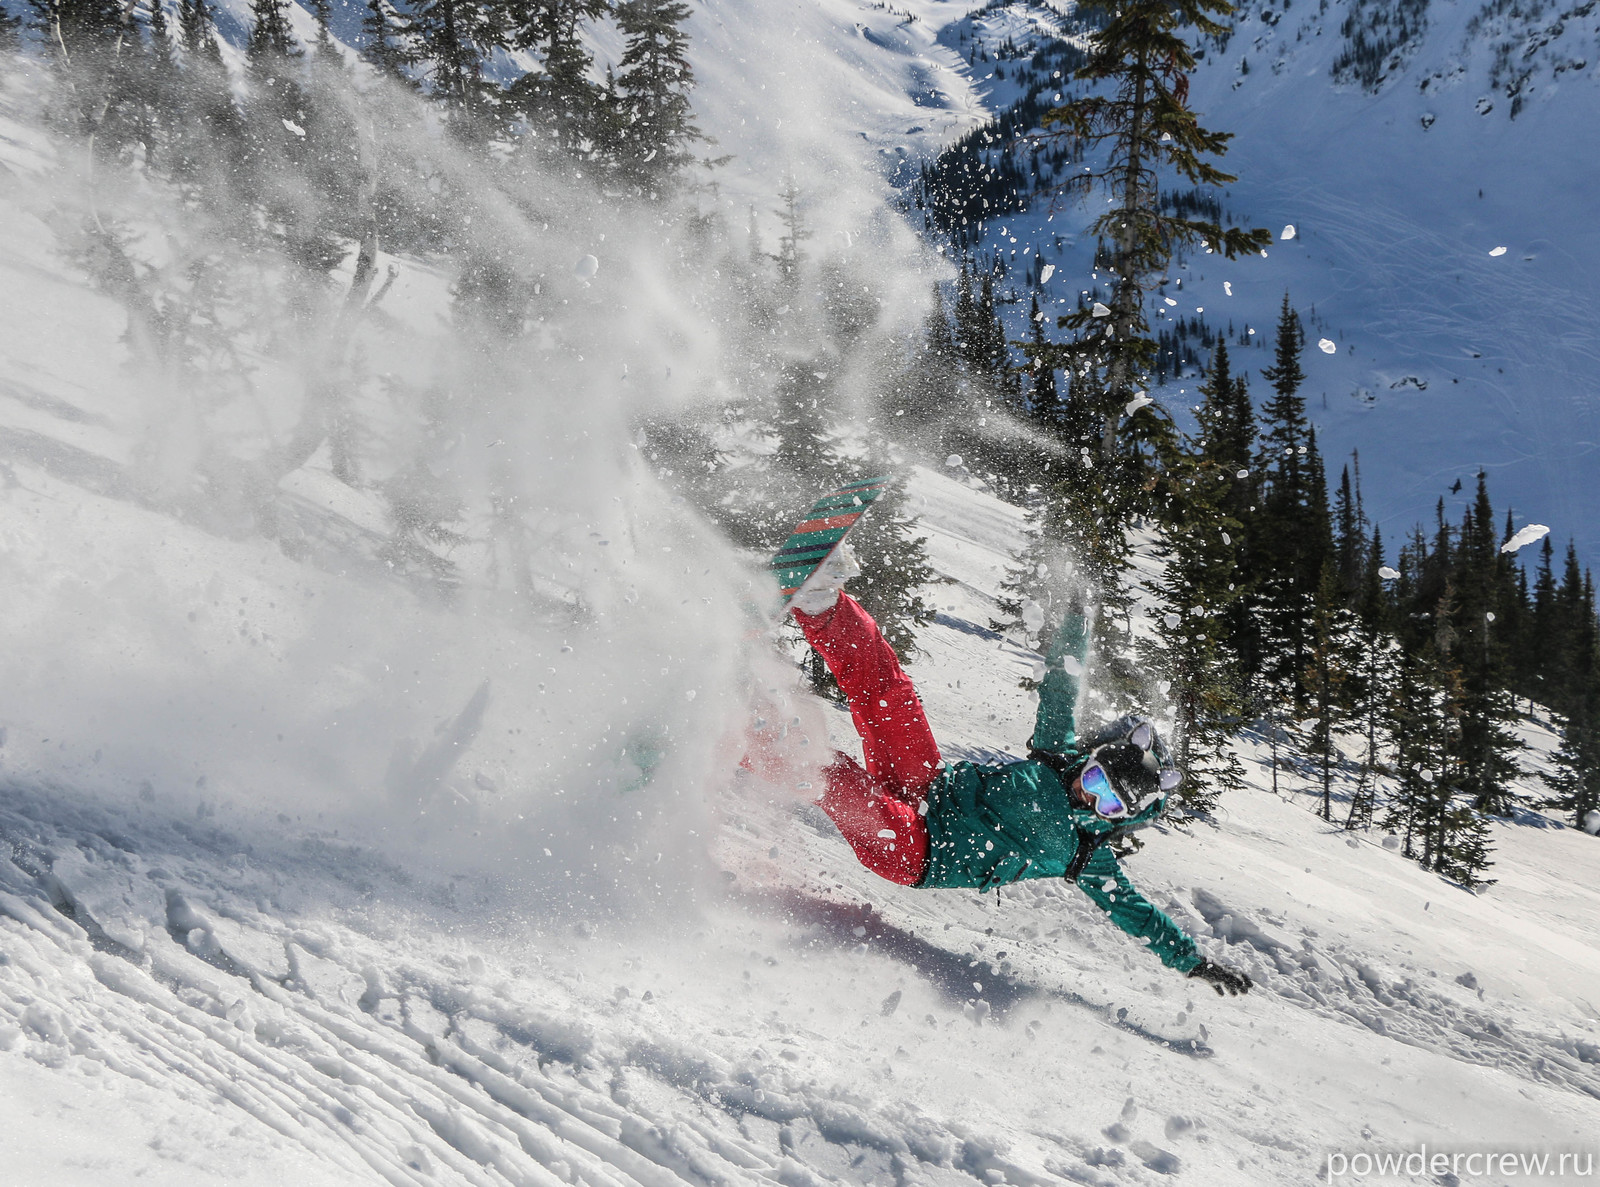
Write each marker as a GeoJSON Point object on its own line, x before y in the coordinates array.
{"type": "Point", "coordinates": [917, 821]}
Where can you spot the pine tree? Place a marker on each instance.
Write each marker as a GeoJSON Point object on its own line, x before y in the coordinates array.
{"type": "Point", "coordinates": [1576, 782]}
{"type": "Point", "coordinates": [1291, 534]}
{"type": "Point", "coordinates": [11, 26]}
{"type": "Point", "coordinates": [791, 257]}
{"type": "Point", "coordinates": [1487, 712]}
{"type": "Point", "coordinates": [894, 566]}
{"type": "Point", "coordinates": [561, 99]}
{"type": "Point", "coordinates": [1443, 830]}
{"type": "Point", "coordinates": [1331, 664]}
{"type": "Point", "coordinates": [653, 86]}
{"type": "Point", "coordinates": [387, 49]}
{"type": "Point", "coordinates": [93, 48]}
{"type": "Point", "coordinates": [1043, 396]}
{"type": "Point", "coordinates": [1371, 683]}
{"type": "Point", "coordinates": [455, 37]}
{"type": "Point", "coordinates": [1144, 124]}
{"type": "Point", "coordinates": [1198, 592]}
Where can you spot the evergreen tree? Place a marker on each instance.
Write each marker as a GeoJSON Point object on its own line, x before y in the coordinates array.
{"type": "Point", "coordinates": [1442, 829]}
{"type": "Point", "coordinates": [324, 45]}
{"type": "Point", "coordinates": [10, 31]}
{"type": "Point", "coordinates": [455, 37]}
{"type": "Point", "coordinates": [1043, 396]}
{"type": "Point", "coordinates": [791, 255]}
{"type": "Point", "coordinates": [1487, 711]}
{"type": "Point", "coordinates": [1331, 663]}
{"type": "Point", "coordinates": [1371, 682]}
{"type": "Point", "coordinates": [1291, 533]}
{"type": "Point", "coordinates": [386, 48]}
{"type": "Point", "coordinates": [894, 565]}
{"type": "Point", "coordinates": [1144, 126]}
{"type": "Point", "coordinates": [1576, 782]}
{"type": "Point", "coordinates": [653, 86]}
{"type": "Point", "coordinates": [93, 47]}
{"type": "Point", "coordinates": [561, 99]}
{"type": "Point", "coordinates": [1198, 590]}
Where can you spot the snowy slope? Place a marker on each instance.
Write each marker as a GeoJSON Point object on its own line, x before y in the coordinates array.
{"type": "Point", "coordinates": [312, 872]}
{"type": "Point", "coordinates": [240, 995]}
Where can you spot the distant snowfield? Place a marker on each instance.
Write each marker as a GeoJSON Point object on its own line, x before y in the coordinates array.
{"type": "Point", "coordinates": [224, 963]}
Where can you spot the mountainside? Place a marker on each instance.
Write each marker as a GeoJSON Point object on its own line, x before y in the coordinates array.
{"type": "Point", "coordinates": [377, 818]}
{"type": "Point", "coordinates": [1429, 160]}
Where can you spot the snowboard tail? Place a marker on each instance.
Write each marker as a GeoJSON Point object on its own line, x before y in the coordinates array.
{"type": "Point", "coordinates": [825, 525]}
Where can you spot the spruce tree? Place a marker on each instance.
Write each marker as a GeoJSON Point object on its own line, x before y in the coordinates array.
{"type": "Point", "coordinates": [93, 48]}
{"type": "Point", "coordinates": [1139, 126]}
{"type": "Point", "coordinates": [454, 37]}
{"type": "Point", "coordinates": [1291, 533]}
{"type": "Point", "coordinates": [1371, 683]}
{"type": "Point", "coordinates": [791, 256]}
{"type": "Point", "coordinates": [1487, 711]}
{"type": "Point", "coordinates": [560, 98]}
{"type": "Point", "coordinates": [386, 47]}
{"type": "Point", "coordinates": [1576, 782]}
{"type": "Point", "coordinates": [11, 27]}
{"type": "Point", "coordinates": [653, 85]}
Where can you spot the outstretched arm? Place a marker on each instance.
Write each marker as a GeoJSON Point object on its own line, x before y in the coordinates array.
{"type": "Point", "coordinates": [1104, 882]}
{"type": "Point", "coordinates": [1056, 727]}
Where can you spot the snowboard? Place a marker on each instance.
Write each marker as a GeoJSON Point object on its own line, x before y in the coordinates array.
{"type": "Point", "coordinates": [821, 529]}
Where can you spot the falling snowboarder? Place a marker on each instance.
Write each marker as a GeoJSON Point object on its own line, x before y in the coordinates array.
{"type": "Point", "coordinates": [919, 822]}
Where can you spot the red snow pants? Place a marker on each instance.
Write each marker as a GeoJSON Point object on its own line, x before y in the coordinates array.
{"type": "Point", "coordinates": [880, 809]}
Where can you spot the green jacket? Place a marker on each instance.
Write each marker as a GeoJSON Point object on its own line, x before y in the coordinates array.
{"type": "Point", "coordinates": [992, 825]}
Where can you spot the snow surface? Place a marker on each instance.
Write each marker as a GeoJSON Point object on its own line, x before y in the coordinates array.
{"type": "Point", "coordinates": [312, 874]}
{"type": "Point", "coordinates": [233, 995]}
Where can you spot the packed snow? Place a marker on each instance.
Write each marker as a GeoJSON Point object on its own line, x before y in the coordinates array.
{"type": "Point", "coordinates": [315, 872]}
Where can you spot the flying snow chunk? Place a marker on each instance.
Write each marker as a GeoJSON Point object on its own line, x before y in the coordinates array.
{"type": "Point", "coordinates": [1172, 621]}
{"type": "Point", "coordinates": [1037, 671]}
{"type": "Point", "coordinates": [1499, 251]}
{"type": "Point", "coordinates": [1046, 273]}
{"type": "Point", "coordinates": [1242, 474]}
{"type": "Point", "coordinates": [299, 131]}
{"type": "Point", "coordinates": [1387, 573]}
{"type": "Point", "coordinates": [1170, 301]}
{"type": "Point", "coordinates": [953, 461]}
{"type": "Point", "coordinates": [886, 833]}
{"type": "Point", "coordinates": [1327, 345]}
{"type": "Point", "coordinates": [1591, 823]}
{"type": "Point", "coordinates": [1287, 232]}
{"type": "Point", "coordinates": [1526, 536]}
{"type": "Point", "coordinates": [1227, 287]}
{"type": "Point", "coordinates": [587, 268]}
{"type": "Point", "coordinates": [1100, 310]}
{"type": "Point", "coordinates": [1033, 617]}
{"type": "Point", "coordinates": [1072, 665]}
{"type": "Point", "coordinates": [1138, 402]}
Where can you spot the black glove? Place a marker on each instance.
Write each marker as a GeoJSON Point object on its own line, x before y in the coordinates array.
{"type": "Point", "coordinates": [1222, 977]}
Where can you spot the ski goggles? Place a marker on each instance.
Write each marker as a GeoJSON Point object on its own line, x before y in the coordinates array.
{"type": "Point", "coordinates": [1145, 738]}
{"type": "Point", "coordinates": [1107, 803]}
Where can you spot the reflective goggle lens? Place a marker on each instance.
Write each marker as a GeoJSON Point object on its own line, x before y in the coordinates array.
{"type": "Point", "coordinates": [1107, 802]}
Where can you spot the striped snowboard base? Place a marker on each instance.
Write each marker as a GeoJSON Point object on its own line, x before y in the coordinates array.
{"type": "Point", "coordinates": [824, 527]}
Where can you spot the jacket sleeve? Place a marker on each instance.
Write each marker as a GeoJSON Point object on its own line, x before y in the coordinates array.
{"type": "Point", "coordinates": [1104, 882]}
{"type": "Point", "coordinates": [1056, 727]}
